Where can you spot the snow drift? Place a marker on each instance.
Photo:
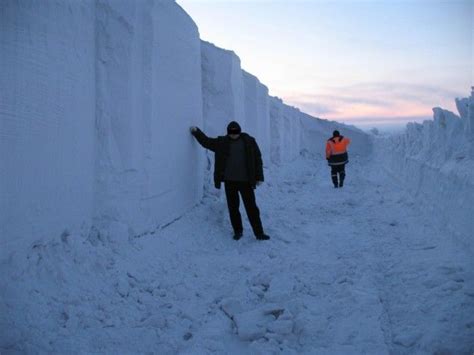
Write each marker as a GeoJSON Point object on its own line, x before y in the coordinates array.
{"type": "Point", "coordinates": [435, 161]}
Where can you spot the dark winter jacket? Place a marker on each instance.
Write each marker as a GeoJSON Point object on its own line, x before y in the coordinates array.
{"type": "Point", "coordinates": [220, 147]}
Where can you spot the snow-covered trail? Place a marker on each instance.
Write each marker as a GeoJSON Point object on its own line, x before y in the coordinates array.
{"type": "Point", "coordinates": [363, 269]}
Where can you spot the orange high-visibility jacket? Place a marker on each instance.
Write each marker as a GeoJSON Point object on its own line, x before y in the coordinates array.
{"type": "Point", "coordinates": [337, 146]}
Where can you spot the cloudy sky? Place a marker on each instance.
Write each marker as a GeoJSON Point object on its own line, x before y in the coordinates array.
{"type": "Point", "coordinates": [362, 62]}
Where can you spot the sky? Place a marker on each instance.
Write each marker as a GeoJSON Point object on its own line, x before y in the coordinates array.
{"type": "Point", "coordinates": [369, 63]}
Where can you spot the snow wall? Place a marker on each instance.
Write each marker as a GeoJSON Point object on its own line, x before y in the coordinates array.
{"type": "Point", "coordinates": [47, 118]}
{"type": "Point", "coordinates": [97, 97]}
{"type": "Point", "coordinates": [435, 162]}
{"type": "Point", "coordinates": [148, 93]}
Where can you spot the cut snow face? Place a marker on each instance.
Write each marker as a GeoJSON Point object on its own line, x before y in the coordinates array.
{"type": "Point", "coordinates": [362, 269]}
{"type": "Point", "coordinates": [99, 96]}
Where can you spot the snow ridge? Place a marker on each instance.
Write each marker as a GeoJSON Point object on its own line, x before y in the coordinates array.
{"type": "Point", "coordinates": [435, 161]}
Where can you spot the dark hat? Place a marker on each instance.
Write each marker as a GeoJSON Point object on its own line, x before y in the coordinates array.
{"type": "Point", "coordinates": [336, 133]}
{"type": "Point", "coordinates": [233, 128]}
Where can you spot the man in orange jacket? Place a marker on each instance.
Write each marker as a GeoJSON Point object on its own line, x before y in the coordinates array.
{"type": "Point", "coordinates": [336, 155]}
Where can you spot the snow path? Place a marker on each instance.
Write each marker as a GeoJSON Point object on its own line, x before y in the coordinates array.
{"type": "Point", "coordinates": [363, 269]}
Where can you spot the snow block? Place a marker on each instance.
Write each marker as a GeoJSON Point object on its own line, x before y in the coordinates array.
{"type": "Point", "coordinates": [291, 132]}
{"type": "Point", "coordinates": [267, 320]}
{"type": "Point", "coordinates": [462, 106]}
{"type": "Point", "coordinates": [222, 89]}
{"type": "Point", "coordinates": [277, 136]}
{"type": "Point", "coordinates": [223, 98]}
{"type": "Point", "coordinates": [99, 97]}
{"type": "Point", "coordinates": [250, 103]}
{"type": "Point", "coordinates": [47, 119]}
{"type": "Point", "coordinates": [263, 122]}
{"type": "Point", "coordinates": [257, 122]}
{"type": "Point", "coordinates": [287, 150]}
{"type": "Point", "coordinates": [435, 162]}
{"type": "Point", "coordinates": [148, 94]}
{"type": "Point", "coordinates": [470, 126]}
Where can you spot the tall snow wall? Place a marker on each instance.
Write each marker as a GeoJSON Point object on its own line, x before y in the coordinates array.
{"type": "Point", "coordinates": [148, 94]}
{"type": "Point", "coordinates": [95, 97]}
{"type": "Point", "coordinates": [435, 162]}
{"type": "Point", "coordinates": [47, 118]}
{"type": "Point", "coordinates": [222, 89]}
{"type": "Point", "coordinates": [277, 139]}
{"type": "Point", "coordinates": [285, 128]}
{"type": "Point", "coordinates": [263, 122]}
{"type": "Point", "coordinates": [257, 113]}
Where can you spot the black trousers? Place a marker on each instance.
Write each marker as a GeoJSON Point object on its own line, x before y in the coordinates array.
{"type": "Point", "coordinates": [338, 169]}
{"type": "Point", "coordinates": [232, 191]}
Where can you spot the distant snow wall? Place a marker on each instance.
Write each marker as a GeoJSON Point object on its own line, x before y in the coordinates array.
{"type": "Point", "coordinates": [95, 97]}
{"type": "Point", "coordinates": [47, 118]}
{"type": "Point", "coordinates": [435, 162]}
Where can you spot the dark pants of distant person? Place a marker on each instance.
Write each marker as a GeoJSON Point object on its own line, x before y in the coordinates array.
{"type": "Point", "coordinates": [338, 169]}
{"type": "Point", "coordinates": [232, 190]}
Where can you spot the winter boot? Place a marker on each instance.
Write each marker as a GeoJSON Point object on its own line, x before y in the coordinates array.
{"type": "Point", "coordinates": [341, 179]}
{"type": "Point", "coordinates": [334, 180]}
{"type": "Point", "coordinates": [262, 237]}
{"type": "Point", "coordinates": [237, 235]}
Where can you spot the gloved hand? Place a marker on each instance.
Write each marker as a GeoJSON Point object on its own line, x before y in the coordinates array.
{"type": "Point", "coordinates": [259, 183]}
{"type": "Point", "coordinates": [192, 129]}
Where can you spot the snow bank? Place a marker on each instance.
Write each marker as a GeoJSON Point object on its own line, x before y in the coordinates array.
{"type": "Point", "coordinates": [263, 122]}
{"type": "Point", "coordinates": [276, 130]}
{"type": "Point", "coordinates": [148, 94]}
{"type": "Point", "coordinates": [285, 131]}
{"type": "Point", "coordinates": [250, 103]}
{"type": "Point", "coordinates": [222, 89]}
{"type": "Point", "coordinates": [95, 99]}
{"type": "Point", "coordinates": [291, 132]}
{"type": "Point", "coordinates": [435, 161]}
{"type": "Point", "coordinates": [47, 110]}
{"type": "Point", "coordinates": [257, 115]}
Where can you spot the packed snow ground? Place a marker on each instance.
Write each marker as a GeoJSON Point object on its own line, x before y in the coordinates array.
{"type": "Point", "coordinates": [363, 269]}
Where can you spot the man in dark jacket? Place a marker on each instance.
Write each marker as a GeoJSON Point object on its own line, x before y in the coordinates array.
{"type": "Point", "coordinates": [238, 163]}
